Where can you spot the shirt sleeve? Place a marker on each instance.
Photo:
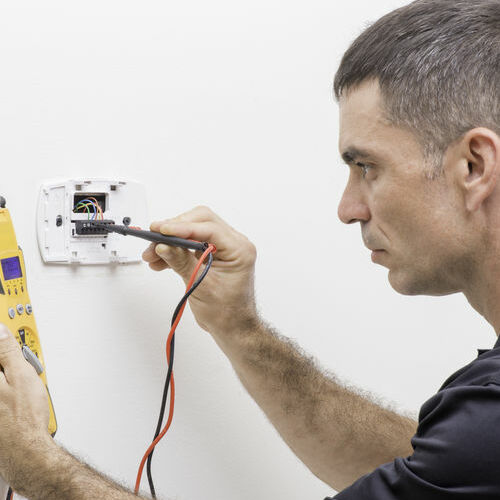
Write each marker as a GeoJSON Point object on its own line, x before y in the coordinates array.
{"type": "Point", "coordinates": [456, 452]}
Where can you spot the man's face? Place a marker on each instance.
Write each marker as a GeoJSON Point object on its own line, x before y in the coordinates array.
{"type": "Point", "coordinates": [414, 222]}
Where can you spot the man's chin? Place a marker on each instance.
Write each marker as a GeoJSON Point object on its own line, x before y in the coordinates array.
{"type": "Point", "coordinates": [406, 285]}
{"type": "Point", "coordinates": [400, 285]}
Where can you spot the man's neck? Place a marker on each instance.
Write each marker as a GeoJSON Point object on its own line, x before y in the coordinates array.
{"type": "Point", "coordinates": [483, 293]}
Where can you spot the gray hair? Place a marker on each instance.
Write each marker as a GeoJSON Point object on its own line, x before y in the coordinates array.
{"type": "Point", "coordinates": [438, 66]}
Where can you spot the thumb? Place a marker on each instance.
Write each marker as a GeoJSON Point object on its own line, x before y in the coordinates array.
{"type": "Point", "coordinates": [11, 357]}
{"type": "Point", "coordinates": [181, 260]}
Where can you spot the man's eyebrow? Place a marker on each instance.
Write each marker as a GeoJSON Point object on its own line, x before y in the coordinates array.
{"type": "Point", "coordinates": [352, 154]}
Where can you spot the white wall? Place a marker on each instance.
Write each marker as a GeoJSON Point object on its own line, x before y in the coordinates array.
{"type": "Point", "coordinates": [228, 104]}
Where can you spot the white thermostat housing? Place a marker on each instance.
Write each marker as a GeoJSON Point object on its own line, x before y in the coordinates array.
{"type": "Point", "coordinates": [122, 201]}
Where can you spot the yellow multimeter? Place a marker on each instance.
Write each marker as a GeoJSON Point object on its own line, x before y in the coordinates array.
{"type": "Point", "coordinates": [15, 307]}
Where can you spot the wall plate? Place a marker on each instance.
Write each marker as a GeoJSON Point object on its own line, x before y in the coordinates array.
{"type": "Point", "coordinates": [119, 198]}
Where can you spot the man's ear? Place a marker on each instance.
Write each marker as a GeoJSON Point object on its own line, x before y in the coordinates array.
{"type": "Point", "coordinates": [480, 151]}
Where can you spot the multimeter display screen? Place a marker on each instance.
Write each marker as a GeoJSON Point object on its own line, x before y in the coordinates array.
{"type": "Point", "coordinates": [11, 268]}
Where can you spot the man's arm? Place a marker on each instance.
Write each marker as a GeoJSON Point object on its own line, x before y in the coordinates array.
{"type": "Point", "coordinates": [337, 433]}
{"type": "Point", "coordinates": [48, 472]}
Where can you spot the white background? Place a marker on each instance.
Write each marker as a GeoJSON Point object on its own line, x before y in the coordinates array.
{"type": "Point", "coordinates": [227, 104]}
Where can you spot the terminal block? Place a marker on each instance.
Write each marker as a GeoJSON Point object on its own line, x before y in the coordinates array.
{"type": "Point", "coordinates": [89, 228]}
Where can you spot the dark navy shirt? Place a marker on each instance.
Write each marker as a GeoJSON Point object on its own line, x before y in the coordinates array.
{"type": "Point", "coordinates": [456, 449]}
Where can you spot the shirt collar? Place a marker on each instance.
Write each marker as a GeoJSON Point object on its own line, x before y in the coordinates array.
{"type": "Point", "coordinates": [482, 351]}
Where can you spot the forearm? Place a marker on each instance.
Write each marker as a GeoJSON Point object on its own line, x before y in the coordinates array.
{"type": "Point", "coordinates": [339, 434]}
{"type": "Point", "coordinates": [50, 472]}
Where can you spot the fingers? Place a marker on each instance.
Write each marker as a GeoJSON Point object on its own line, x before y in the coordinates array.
{"type": "Point", "coordinates": [181, 260]}
{"type": "Point", "coordinates": [153, 259]}
{"type": "Point", "coordinates": [197, 214]}
{"type": "Point", "coordinates": [212, 226]}
{"type": "Point", "coordinates": [162, 257]}
{"type": "Point", "coordinates": [216, 231]}
{"type": "Point", "coordinates": [200, 224]}
{"type": "Point", "coordinates": [210, 232]}
{"type": "Point", "coordinates": [11, 356]}
{"type": "Point", "coordinates": [159, 265]}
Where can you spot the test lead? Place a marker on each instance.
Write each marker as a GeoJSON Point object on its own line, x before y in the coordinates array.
{"type": "Point", "coordinates": [151, 236]}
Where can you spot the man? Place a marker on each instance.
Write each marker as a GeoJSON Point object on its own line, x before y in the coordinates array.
{"type": "Point", "coordinates": [419, 96]}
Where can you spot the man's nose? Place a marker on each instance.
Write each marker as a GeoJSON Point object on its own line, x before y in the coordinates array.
{"type": "Point", "coordinates": [352, 208]}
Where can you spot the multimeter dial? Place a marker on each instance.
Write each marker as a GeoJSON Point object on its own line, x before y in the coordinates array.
{"type": "Point", "coordinates": [26, 336]}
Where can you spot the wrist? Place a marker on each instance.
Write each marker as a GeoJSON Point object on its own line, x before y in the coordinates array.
{"type": "Point", "coordinates": [237, 324]}
{"type": "Point", "coordinates": [239, 334]}
{"type": "Point", "coordinates": [34, 455]}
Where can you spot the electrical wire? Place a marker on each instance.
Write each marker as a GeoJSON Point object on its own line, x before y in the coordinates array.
{"type": "Point", "coordinates": [169, 382]}
{"type": "Point", "coordinates": [91, 202]}
{"type": "Point", "coordinates": [99, 209]}
{"type": "Point", "coordinates": [177, 315]}
{"type": "Point", "coordinates": [170, 368]}
{"type": "Point", "coordinates": [86, 206]}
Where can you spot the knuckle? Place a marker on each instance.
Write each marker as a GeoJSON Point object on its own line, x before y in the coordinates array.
{"type": "Point", "coordinates": [184, 270]}
{"type": "Point", "coordinates": [203, 210]}
{"type": "Point", "coordinates": [158, 265]}
{"type": "Point", "coordinates": [212, 226]}
{"type": "Point", "coordinates": [178, 219]}
{"type": "Point", "coordinates": [251, 251]}
{"type": "Point", "coordinates": [12, 350]}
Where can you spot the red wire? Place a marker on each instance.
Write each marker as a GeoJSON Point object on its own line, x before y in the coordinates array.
{"type": "Point", "coordinates": [211, 248]}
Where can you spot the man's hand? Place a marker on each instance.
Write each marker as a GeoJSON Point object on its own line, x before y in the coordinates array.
{"type": "Point", "coordinates": [225, 300]}
{"type": "Point", "coordinates": [24, 407]}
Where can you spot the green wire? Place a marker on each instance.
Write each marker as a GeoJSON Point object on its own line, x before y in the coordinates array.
{"type": "Point", "coordinates": [86, 205]}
